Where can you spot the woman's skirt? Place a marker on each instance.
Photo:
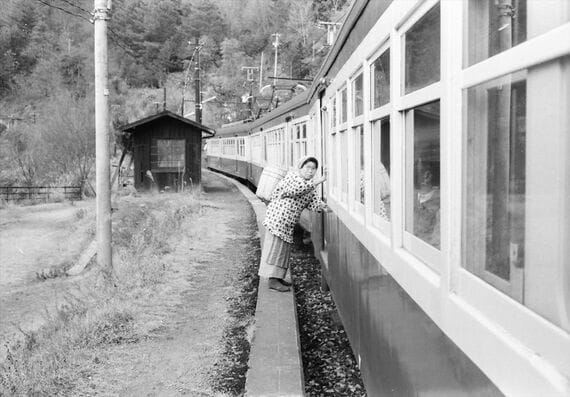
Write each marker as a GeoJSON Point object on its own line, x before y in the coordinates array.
{"type": "Point", "coordinates": [274, 257]}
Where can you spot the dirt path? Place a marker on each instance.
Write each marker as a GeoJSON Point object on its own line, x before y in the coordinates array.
{"type": "Point", "coordinates": [187, 317]}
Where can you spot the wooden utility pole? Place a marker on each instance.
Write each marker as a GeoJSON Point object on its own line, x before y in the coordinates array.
{"type": "Point", "coordinates": [102, 156]}
{"type": "Point", "coordinates": [198, 94]}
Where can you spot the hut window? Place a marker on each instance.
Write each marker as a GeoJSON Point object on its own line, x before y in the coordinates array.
{"type": "Point", "coordinates": [168, 153]}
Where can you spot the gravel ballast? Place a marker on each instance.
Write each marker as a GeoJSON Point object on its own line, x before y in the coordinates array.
{"type": "Point", "coordinates": [329, 366]}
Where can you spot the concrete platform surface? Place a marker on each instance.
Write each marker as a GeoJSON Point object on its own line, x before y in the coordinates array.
{"type": "Point", "coordinates": [274, 359]}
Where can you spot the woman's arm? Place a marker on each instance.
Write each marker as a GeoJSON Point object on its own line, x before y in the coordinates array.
{"type": "Point", "coordinates": [293, 187]}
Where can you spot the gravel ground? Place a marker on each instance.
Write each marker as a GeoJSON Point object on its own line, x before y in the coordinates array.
{"type": "Point", "coordinates": [330, 368]}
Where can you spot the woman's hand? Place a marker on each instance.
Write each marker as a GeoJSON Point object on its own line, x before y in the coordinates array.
{"type": "Point", "coordinates": [320, 180]}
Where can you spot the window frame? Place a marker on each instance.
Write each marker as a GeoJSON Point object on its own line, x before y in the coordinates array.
{"type": "Point", "coordinates": [374, 115]}
{"type": "Point", "coordinates": [405, 105]}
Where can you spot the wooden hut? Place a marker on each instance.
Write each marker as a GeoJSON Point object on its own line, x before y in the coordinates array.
{"type": "Point", "coordinates": [167, 151]}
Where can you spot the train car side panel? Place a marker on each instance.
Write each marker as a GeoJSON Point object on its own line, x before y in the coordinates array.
{"type": "Point", "coordinates": [400, 349]}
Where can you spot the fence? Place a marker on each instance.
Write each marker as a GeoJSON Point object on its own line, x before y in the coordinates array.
{"type": "Point", "coordinates": [40, 193]}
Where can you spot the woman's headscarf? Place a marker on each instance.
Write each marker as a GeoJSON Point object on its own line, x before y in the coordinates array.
{"type": "Point", "coordinates": [304, 160]}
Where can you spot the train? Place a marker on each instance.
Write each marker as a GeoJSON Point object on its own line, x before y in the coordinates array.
{"type": "Point", "coordinates": [444, 128]}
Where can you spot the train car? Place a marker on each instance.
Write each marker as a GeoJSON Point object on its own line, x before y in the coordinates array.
{"type": "Point", "coordinates": [243, 149]}
{"type": "Point", "coordinates": [445, 129]}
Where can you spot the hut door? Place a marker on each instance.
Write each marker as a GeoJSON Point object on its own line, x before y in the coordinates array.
{"type": "Point", "coordinates": [142, 165]}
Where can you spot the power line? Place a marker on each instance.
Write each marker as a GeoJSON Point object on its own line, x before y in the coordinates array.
{"type": "Point", "coordinates": [64, 10]}
{"type": "Point", "coordinates": [76, 6]}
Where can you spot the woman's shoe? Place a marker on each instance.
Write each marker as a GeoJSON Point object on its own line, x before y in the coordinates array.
{"type": "Point", "coordinates": [276, 285]}
{"type": "Point", "coordinates": [285, 283]}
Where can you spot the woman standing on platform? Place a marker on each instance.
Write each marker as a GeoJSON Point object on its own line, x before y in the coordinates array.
{"type": "Point", "coordinates": [295, 192]}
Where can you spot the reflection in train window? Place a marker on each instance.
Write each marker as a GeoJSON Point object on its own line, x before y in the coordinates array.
{"type": "Point", "coordinates": [381, 167]}
{"type": "Point", "coordinates": [423, 173]}
{"type": "Point", "coordinates": [496, 164]}
{"type": "Point", "coordinates": [516, 183]}
{"type": "Point", "coordinates": [357, 96]}
{"type": "Point", "coordinates": [380, 78]}
{"type": "Point", "coordinates": [359, 185]}
{"type": "Point", "coordinates": [422, 52]}
{"type": "Point", "coordinates": [494, 27]}
{"type": "Point", "coordinates": [343, 110]}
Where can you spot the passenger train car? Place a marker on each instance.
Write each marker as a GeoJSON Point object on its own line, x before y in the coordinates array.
{"type": "Point", "coordinates": [445, 129]}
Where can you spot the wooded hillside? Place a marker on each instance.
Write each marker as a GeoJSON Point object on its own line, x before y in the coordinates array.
{"type": "Point", "coordinates": [46, 69]}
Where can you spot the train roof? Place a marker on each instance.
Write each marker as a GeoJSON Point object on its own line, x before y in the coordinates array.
{"type": "Point", "coordinates": [296, 107]}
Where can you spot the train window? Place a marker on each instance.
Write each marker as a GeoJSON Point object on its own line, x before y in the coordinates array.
{"type": "Point", "coordinates": [496, 163]}
{"type": "Point", "coordinates": [380, 78]}
{"type": "Point", "coordinates": [343, 109]}
{"type": "Point", "coordinates": [359, 181]}
{"type": "Point", "coordinates": [256, 148]}
{"type": "Point", "coordinates": [381, 168]}
{"type": "Point", "coordinates": [304, 140]}
{"type": "Point", "coordinates": [516, 189]}
{"type": "Point", "coordinates": [241, 147]}
{"type": "Point", "coordinates": [423, 173]}
{"type": "Point", "coordinates": [493, 27]}
{"type": "Point", "coordinates": [333, 116]}
{"type": "Point", "coordinates": [496, 26]}
{"type": "Point", "coordinates": [357, 96]}
{"type": "Point", "coordinates": [335, 168]}
{"type": "Point", "coordinates": [422, 52]}
{"type": "Point", "coordinates": [343, 165]}
{"type": "Point", "coordinates": [294, 141]}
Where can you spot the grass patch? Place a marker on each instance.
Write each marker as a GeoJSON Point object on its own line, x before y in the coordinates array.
{"type": "Point", "coordinates": [62, 355]}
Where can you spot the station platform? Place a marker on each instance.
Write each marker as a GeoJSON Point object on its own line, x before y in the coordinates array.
{"type": "Point", "coordinates": [275, 367]}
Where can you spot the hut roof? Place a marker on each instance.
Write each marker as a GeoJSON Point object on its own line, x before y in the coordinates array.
{"type": "Point", "coordinates": [132, 127]}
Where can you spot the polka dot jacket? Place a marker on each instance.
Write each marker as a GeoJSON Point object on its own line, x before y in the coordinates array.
{"type": "Point", "coordinates": [289, 198]}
